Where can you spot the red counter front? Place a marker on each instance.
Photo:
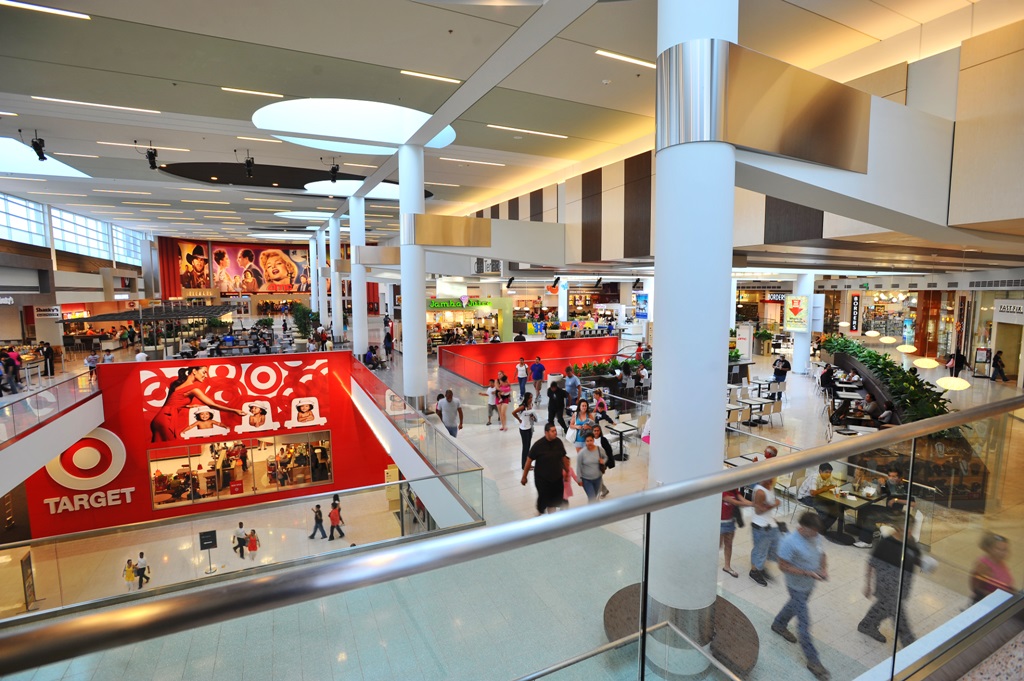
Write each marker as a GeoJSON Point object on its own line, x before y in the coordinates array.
{"type": "Point", "coordinates": [479, 363]}
{"type": "Point", "coordinates": [170, 427]}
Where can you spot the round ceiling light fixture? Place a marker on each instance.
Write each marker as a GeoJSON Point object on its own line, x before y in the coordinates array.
{"type": "Point", "coordinates": [338, 147]}
{"type": "Point", "coordinates": [906, 349]}
{"type": "Point", "coordinates": [384, 191]}
{"type": "Point", "coordinates": [844, 324]}
{"type": "Point", "coordinates": [348, 120]}
{"type": "Point", "coordinates": [952, 383]}
{"type": "Point", "coordinates": [888, 340]}
{"type": "Point", "coordinates": [925, 363]}
{"type": "Point", "coordinates": [872, 334]}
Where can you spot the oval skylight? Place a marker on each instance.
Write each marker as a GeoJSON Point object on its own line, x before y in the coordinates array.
{"type": "Point", "coordinates": [383, 191]}
{"type": "Point", "coordinates": [303, 215]}
{"type": "Point", "coordinates": [338, 147]}
{"type": "Point", "coordinates": [348, 119]}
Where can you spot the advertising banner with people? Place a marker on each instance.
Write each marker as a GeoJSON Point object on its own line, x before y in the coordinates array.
{"type": "Point", "coordinates": [189, 436]}
{"type": "Point", "coordinates": [232, 268]}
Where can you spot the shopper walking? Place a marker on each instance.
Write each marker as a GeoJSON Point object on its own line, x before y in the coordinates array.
{"type": "Point", "coordinates": [572, 385]}
{"type": "Point", "coordinates": [884, 571]}
{"type": "Point", "coordinates": [590, 461]}
{"type": "Point", "coordinates": [48, 355]}
{"type": "Point", "coordinates": [492, 399]}
{"type": "Point", "coordinates": [537, 374]}
{"type": "Point", "coordinates": [91, 361]}
{"type": "Point", "coordinates": [318, 523]}
{"type": "Point", "coordinates": [556, 405]}
{"type": "Point", "coordinates": [527, 419]}
{"type": "Point", "coordinates": [254, 545]}
{"type": "Point", "coordinates": [998, 367]}
{"type": "Point", "coordinates": [548, 460]}
{"type": "Point", "coordinates": [241, 541]}
{"type": "Point", "coordinates": [142, 570]}
{"type": "Point", "coordinates": [765, 529]}
{"type": "Point", "coordinates": [601, 441]}
{"type": "Point", "coordinates": [128, 574]}
{"type": "Point", "coordinates": [781, 367]}
{"type": "Point", "coordinates": [504, 399]}
{"type": "Point", "coordinates": [450, 412]}
{"type": "Point", "coordinates": [336, 520]}
{"type": "Point", "coordinates": [804, 564]}
{"type": "Point", "coordinates": [581, 423]}
{"type": "Point", "coordinates": [731, 501]}
{"type": "Point", "coordinates": [522, 374]}
{"type": "Point", "coordinates": [601, 408]}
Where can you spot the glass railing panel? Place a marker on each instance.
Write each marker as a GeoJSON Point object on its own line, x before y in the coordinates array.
{"type": "Point", "coordinates": [469, 485]}
{"type": "Point", "coordinates": [668, 653]}
{"type": "Point", "coordinates": [23, 416]}
{"type": "Point", "coordinates": [739, 443]}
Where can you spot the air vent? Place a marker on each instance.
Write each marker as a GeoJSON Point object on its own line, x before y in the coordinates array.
{"type": "Point", "coordinates": [879, 285]}
{"type": "Point", "coordinates": [952, 284]}
{"type": "Point", "coordinates": [834, 286]}
{"type": "Point", "coordinates": [932, 284]}
{"type": "Point", "coordinates": [913, 286]}
{"type": "Point", "coordinates": [849, 286]}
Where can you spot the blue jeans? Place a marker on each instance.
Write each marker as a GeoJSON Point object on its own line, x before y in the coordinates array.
{"type": "Point", "coordinates": [591, 488]}
{"type": "Point", "coordinates": [765, 541]}
{"type": "Point", "coordinates": [318, 525]}
{"type": "Point", "coordinates": [522, 388]}
{"type": "Point", "coordinates": [796, 606]}
{"type": "Point", "coordinates": [452, 430]}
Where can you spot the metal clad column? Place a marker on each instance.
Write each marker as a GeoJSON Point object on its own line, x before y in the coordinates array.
{"type": "Point", "coordinates": [314, 277]}
{"type": "Point", "coordinates": [321, 262]}
{"type": "Point", "coordinates": [357, 237]}
{"type": "Point", "coordinates": [804, 286]}
{"type": "Point", "coordinates": [694, 217]}
{"type": "Point", "coordinates": [338, 309]}
{"type": "Point", "coordinates": [414, 277]}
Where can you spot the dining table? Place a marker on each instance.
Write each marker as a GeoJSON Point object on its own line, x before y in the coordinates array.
{"type": "Point", "coordinates": [623, 428]}
{"type": "Point", "coordinates": [758, 403]}
{"type": "Point", "coordinates": [846, 499]}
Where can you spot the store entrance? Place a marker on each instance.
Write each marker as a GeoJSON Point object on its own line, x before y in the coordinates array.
{"type": "Point", "coordinates": [1007, 337]}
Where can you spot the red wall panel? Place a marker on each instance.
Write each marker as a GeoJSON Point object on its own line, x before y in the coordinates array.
{"type": "Point", "coordinates": [479, 363]}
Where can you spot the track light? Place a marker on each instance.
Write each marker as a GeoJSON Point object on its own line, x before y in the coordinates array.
{"type": "Point", "coordinates": [249, 163]}
{"type": "Point", "coordinates": [636, 283]}
{"type": "Point", "coordinates": [597, 284]}
{"type": "Point", "coordinates": [38, 146]}
{"type": "Point", "coordinates": [334, 172]}
{"type": "Point", "coordinates": [508, 284]}
{"type": "Point", "coordinates": [151, 157]}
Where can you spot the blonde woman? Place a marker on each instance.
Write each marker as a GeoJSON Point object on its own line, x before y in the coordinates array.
{"type": "Point", "coordinates": [279, 271]}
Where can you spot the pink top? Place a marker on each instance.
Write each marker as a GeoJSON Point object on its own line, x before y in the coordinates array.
{"type": "Point", "coordinates": [999, 576]}
{"type": "Point", "coordinates": [567, 477]}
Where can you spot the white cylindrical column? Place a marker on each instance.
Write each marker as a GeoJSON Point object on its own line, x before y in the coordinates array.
{"type": "Point", "coordinates": [732, 308]}
{"type": "Point", "coordinates": [563, 302]}
{"type": "Point", "coordinates": [321, 263]}
{"type": "Point", "coordinates": [694, 189]}
{"type": "Point", "coordinates": [357, 237]}
{"type": "Point", "coordinates": [337, 308]}
{"type": "Point", "coordinates": [314, 277]}
{"type": "Point", "coordinates": [804, 286]}
{"type": "Point", "coordinates": [414, 277]}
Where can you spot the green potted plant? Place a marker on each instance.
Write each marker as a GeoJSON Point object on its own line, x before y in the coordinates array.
{"type": "Point", "coordinates": [735, 355]}
{"type": "Point", "coordinates": [303, 318]}
{"type": "Point", "coordinates": [764, 339]}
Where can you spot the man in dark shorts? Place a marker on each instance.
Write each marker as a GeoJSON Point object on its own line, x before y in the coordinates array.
{"type": "Point", "coordinates": [548, 453]}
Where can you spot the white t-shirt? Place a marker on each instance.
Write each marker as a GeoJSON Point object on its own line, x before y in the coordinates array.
{"type": "Point", "coordinates": [450, 411]}
{"type": "Point", "coordinates": [492, 395]}
{"type": "Point", "coordinates": [529, 419]}
{"type": "Point", "coordinates": [522, 371]}
{"type": "Point", "coordinates": [766, 519]}
{"type": "Point", "coordinates": [141, 357]}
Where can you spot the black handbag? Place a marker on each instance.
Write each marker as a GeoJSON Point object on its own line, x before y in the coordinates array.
{"type": "Point", "coordinates": [737, 515]}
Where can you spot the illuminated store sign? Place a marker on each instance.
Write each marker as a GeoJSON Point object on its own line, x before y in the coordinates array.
{"type": "Point", "coordinates": [456, 303]}
{"type": "Point", "coordinates": [855, 312]}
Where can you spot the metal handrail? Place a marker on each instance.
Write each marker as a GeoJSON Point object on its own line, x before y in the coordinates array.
{"type": "Point", "coordinates": [81, 395]}
{"type": "Point", "coordinates": [55, 641]}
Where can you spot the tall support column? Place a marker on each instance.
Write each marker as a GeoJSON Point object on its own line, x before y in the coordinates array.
{"type": "Point", "coordinates": [414, 277]}
{"type": "Point", "coordinates": [694, 214]}
{"type": "Point", "coordinates": [804, 286]}
{"type": "Point", "coordinates": [314, 277]}
{"type": "Point", "coordinates": [733, 290]}
{"type": "Point", "coordinates": [563, 303]}
{"type": "Point", "coordinates": [357, 237]}
{"type": "Point", "coordinates": [321, 263]}
{"type": "Point", "coordinates": [337, 308]}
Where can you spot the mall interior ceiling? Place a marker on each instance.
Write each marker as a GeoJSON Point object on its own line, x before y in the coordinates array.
{"type": "Point", "coordinates": [103, 87]}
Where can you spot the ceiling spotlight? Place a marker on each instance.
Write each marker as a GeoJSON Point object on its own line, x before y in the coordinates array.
{"type": "Point", "coordinates": [151, 157]}
{"type": "Point", "coordinates": [38, 146]}
{"type": "Point", "coordinates": [508, 284]}
{"type": "Point", "coordinates": [249, 163]}
{"type": "Point", "coordinates": [636, 283]}
{"type": "Point", "coordinates": [334, 172]}
{"type": "Point", "coordinates": [597, 284]}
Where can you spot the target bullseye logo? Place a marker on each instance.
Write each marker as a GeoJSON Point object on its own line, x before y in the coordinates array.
{"type": "Point", "coordinates": [91, 463]}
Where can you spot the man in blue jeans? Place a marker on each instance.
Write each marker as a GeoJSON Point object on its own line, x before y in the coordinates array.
{"type": "Point", "coordinates": [765, 530]}
{"type": "Point", "coordinates": [804, 564]}
{"type": "Point", "coordinates": [450, 411]}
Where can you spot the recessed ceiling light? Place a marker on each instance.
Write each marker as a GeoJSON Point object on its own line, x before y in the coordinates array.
{"type": "Point", "coordinates": [385, 190]}
{"type": "Point", "coordinates": [112, 212]}
{"type": "Point", "coordinates": [93, 205]}
{"type": "Point", "coordinates": [140, 146]}
{"type": "Point", "coordinates": [268, 222]}
{"type": "Point", "coordinates": [120, 191]}
{"type": "Point", "coordinates": [64, 153]}
{"type": "Point", "coordinates": [259, 139]}
{"type": "Point", "coordinates": [622, 57]}
{"type": "Point", "coordinates": [42, 8]}
{"type": "Point", "coordinates": [251, 92]}
{"type": "Point", "coordinates": [270, 200]}
{"type": "Point", "coordinates": [24, 179]}
{"type": "Point", "coordinates": [215, 210]}
{"type": "Point", "coordinates": [10, 113]}
{"type": "Point", "coordinates": [358, 165]}
{"type": "Point", "coordinates": [196, 189]}
{"type": "Point", "coordinates": [163, 218]}
{"type": "Point", "coordinates": [417, 74]}
{"type": "Point", "coordinates": [58, 194]}
{"type": "Point", "coordinates": [94, 104]}
{"type": "Point", "coordinates": [442, 184]}
{"type": "Point", "coordinates": [216, 203]}
{"type": "Point", "coordinates": [378, 215]}
{"type": "Point", "coordinates": [377, 205]}
{"type": "Point", "coordinates": [143, 203]}
{"type": "Point", "coordinates": [232, 223]}
{"type": "Point", "coordinates": [157, 210]}
{"type": "Point", "coordinates": [139, 220]}
{"type": "Point", "coordinates": [528, 132]}
{"type": "Point", "coordinates": [330, 208]}
{"type": "Point", "coordinates": [190, 224]}
{"type": "Point", "coordinates": [268, 210]}
{"type": "Point", "coordinates": [213, 178]}
{"type": "Point", "coordinates": [464, 160]}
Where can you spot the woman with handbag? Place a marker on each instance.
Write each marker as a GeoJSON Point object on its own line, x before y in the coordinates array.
{"type": "Point", "coordinates": [590, 463]}
{"type": "Point", "coordinates": [527, 419]}
{"type": "Point", "coordinates": [602, 441]}
{"type": "Point", "coordinates": [732, 517]}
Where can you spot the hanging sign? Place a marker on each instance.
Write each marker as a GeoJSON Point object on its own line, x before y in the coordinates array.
{"type": "Point", "coordinates": [47, 312]}
{"type": "Point", "coordinates": [797, 312]}
{"type": "Point", "coordinates": [641, 305]}
{"type": "Point", "coordinates": [855, 312]}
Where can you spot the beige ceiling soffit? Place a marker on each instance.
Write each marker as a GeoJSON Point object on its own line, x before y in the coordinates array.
{"type": "Point", "coordinates": [711, 90]}
{"type": "Point", "coordinates": [342, 266]}
{"type": "Point", "coordinates": [739, 260]}
{"type": "Point", "coordinates": [992, 231]}
{"type": "Point", "coordinates": [450, 230]}
{"type": "Point", "coordinates": [378, 255]}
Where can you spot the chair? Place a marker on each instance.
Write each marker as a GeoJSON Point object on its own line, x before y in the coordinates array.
{"type": "Point", "coordinates": [782, 389]}
{"type": "Point", "coordinates": [773, 409]}
{"type": "Point", "coordinates": [737, 418]}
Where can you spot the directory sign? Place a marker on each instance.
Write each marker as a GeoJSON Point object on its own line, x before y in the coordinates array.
{"type": "Point", "coordinates": [796, 314]}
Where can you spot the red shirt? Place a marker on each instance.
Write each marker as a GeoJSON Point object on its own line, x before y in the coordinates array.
{"type": "Point", "coordinates": [727, 508]}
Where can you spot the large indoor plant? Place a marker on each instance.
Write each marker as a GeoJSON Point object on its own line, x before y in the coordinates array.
{"type": "Point", "coordinates": [303, 318]}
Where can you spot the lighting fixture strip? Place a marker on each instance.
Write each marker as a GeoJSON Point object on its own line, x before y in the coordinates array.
{"type": "Point", "coordinates": [259, 139]}
{"type": "Point", "coordinates": [428, 76]}
{"type": "Point", "coordinates": [43, 8]}
{"type": "Point", "coordinates": [252, 92]}
{"type": "Point", "coordinates": [94, 104]}
{"type": "Point", "coordinates": [630, 60]}
{"type": "Point", "coordinates": [140, 146]}
{"type": "Point", "coordinates": [466, 160]}
{"type": "Point", "coordinates": [528, 132]}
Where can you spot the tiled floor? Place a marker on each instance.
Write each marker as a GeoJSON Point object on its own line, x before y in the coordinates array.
{"type": "Point", "coordinates": [517, 612]}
